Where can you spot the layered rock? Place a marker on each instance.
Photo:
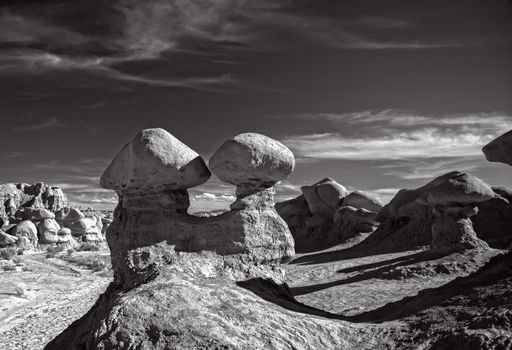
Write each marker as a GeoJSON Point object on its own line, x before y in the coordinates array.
{"type": "Point", "coordinates": [14, 196]}
{"type": "Point", "coordinates": [177, 277]}
{"type": "Point", "coordinates": [316, 218]}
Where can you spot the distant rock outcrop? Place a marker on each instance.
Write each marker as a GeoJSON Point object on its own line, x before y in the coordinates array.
{"type": "Point", "coordinates": [14, 196]}
{"type": "Point", "coordinates": [412, 217]}
{"type": "Point", "coordinates": [185, 282]}
{"type": "Point", "coordinates": [326, 214]}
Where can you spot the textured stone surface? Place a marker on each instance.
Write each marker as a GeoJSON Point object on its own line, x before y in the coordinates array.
{"type": "Point", "coordinates": [37, 214]}
{"type": "Point", "coordinates": [155, 157]}
{"type": "Point", "coordinates": [83, 226]}
{"type": "Point", "coordinates": [7, 240]}
{"type": "Point", "coordinates": [14, 196]}
{"type": "Point", "coordinates": [252, 158]}
{"type": "Point", "coordinates": [186, 282]}
{"type": "Point", "coordinates": [324, 197]}
{"type": "Point", "coordinates": [362, 200]}
{"type": "Point", "coordinates": [66, 216]}
{"type": "Point", "coordinates": [500, 149]}
{"type": "Point", "coordinates": [26, 229]}
{"type": "Point", "coordinates": [48, 230]}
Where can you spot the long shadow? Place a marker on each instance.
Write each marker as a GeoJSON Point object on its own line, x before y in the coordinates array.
{"type": "Point", "coordinates": [497, 270]}
{"type": "Point", "coordinates": [282, 296]}
{"type": "Point", "coordinates": [381, 263]}
{"type": "Point", "coordinates": [408, 260]}
{"type": "Point", "coordinates": [360, 250]}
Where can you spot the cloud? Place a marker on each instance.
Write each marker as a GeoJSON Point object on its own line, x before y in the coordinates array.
{"type": "Point", "coordinates": [213, 197]}
{"type": "Point", "coordinates": [394, 134]}
{"type": "Point", "coordinates": [102, 38]}
{"type": "Point", "coordinates": [52, 123]}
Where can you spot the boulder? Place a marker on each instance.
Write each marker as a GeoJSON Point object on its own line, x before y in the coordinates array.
{"type": "Point", "coordinates": [64, 235]}
{"type": "Point", "coordinates": [352, 221]}
{"type": "Point", "coordinates": [66, 216]}
{"type": "Point", "coordinates": [500, 149]}
{"type": "Point", "coordinates": [48, 231]}
{"type": "Point", "coordinates": [83, 226]}
{"type": "Point", "coordinates": [155, 157]}
{"type": "Point", "coordinates": [363, 200]}
{"type": "Point", "coordinates": [7, 240]}
{"type": "Point", "coordinates": [324, 197]}
{"type": "Point", "coordinates": [493, 221]}
{"type": "Point", "coordinates": [39, 214]}
{"type": "Point", "coordinates": [26, 229]}
{"type": "Point", "coordinates": [254, 159]}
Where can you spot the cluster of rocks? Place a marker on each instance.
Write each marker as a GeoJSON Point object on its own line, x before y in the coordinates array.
{"type": "Point", "coordinates": [326, 214]}
{"type": "Point", "coordinates": [36, 215]}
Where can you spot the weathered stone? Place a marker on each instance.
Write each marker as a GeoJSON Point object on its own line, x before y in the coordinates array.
{"type": "Point", "coordinates": [48, 231]}
{"type": "Point", "coordinates": [324, 197]}
{"type": "Point", "coordinates": [252, 158]}
{"type": "Point", "coordinates": [362, 200]}
{"type": "Point", "coordinates": [14, 196]}
{"type": "Point", "coordinates": [155, 157]}
{"type": "Point", "coordinates": [83, 226]}
{"type": "Point", "coordinates": [7, 240]}
{"type": "Point", "coordinates": [39, 214]}
{"type": "Point", "coordinates": [66, 216]}
{"type": "Point", "coordinates": [500, 149]}
{"type": "Point", "coordinates": [26, 229]}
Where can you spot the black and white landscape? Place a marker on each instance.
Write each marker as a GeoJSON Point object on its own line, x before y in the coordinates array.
{"type": "Point", "coordinates": [273, 174]}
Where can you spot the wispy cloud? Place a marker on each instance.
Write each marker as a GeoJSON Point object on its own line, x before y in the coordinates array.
{"type": "Point", "coordinates": [394, 134]}
{"type": "Point", "coordinates": [52, 123]}
{"type": "Point", "coordinates": [149, 31]}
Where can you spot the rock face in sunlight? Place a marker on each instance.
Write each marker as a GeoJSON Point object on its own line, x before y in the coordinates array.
{"type": "Point", "coordinates": [454, 200]}
{"type": "Point", "coordinates": [38, 215]}
{"type": "Point", "coordinates": [182, 281]}
{"type": "Point", "coordinates": [500, 149]}
{"type": "Point", "coordinates": [327, 214]}
{"type": "Point", "coordinates": [40, 196]}
{"type": "Point", "coordinates": [446, 204]}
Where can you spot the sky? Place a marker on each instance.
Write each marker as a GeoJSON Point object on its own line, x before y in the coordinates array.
{"type": "Point", "coordinates": [379, 95]}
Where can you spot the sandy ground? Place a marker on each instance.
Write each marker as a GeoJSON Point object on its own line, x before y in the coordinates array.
{"type": "Point", "coordinates": [57, 293]}
{"type": "Point", "coordinates": [331, 282]}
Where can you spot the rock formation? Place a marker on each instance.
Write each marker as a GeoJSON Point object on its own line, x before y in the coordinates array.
{"type": "Point", "coordinates": [178, 278]}
{"type": "Point", "coordinates": [454, 200]}
{"type": "Point", "coordinates": [326, 214]}
{"type": "Point", "coordinates": [500, 149]}
{"type": "Point", "coordinates": [407, 221]}
{"type": "Point", "coordinates": [40, 195]}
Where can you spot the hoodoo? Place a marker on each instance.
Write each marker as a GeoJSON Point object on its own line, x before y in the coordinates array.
{"type": "Point", "coordinates": [187, 282]}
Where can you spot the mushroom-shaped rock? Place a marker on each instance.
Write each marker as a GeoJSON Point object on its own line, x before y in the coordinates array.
{"type": "Point", "coordinates": [27, 229]}
{"type": "Point", "coordinates": [454, 201]}
{"type": "Point", "coordinates": [324, 197]}
{"type": "Point", "coordinates": [7, 240]}
{"type": "Point", "coordinates": [48, 231]}
{"type": "Point", "coordinates": [252, 159]}
{"type": "Point", "coordinates": [362, 200]}
{"type": "Point", "coordinates": [500, 149]}
{"type": "Point", "coordinates": [155, 157]}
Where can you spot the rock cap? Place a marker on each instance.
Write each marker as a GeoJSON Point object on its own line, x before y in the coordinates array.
{"type": "Point", "coordinates": [155, 157]}
{"type": "Point", "coordinates": [499, 149]}
{"type": "Point", "coordinates": [252, 158]}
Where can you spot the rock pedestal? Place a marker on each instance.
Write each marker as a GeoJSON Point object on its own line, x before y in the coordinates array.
{"type": "Point", "coordinates": [168, 265]}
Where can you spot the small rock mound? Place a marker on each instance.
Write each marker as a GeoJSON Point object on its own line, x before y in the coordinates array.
{"type": "Point", "coordinates": [327, 214]}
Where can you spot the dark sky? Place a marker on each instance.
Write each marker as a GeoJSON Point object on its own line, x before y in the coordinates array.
{"type": "Point", "coordinates": [380, 95]}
